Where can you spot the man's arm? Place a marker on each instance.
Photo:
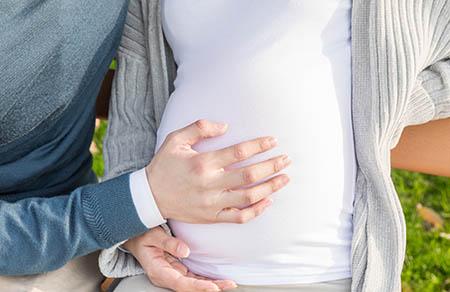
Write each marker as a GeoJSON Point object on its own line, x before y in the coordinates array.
{"type": "Point", "coordinates": [424, 148]}
{"type": "Point", "coordinates": [42, 234]}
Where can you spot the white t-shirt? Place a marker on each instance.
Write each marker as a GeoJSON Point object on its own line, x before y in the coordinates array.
{"type": "Point", "coordinates": [280, 68]}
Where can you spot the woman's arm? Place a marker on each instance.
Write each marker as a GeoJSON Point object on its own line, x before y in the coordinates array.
{"type": "Point", "coordinates": [424, 145]}
{"type": "Point", "coordinates": [424, 148]}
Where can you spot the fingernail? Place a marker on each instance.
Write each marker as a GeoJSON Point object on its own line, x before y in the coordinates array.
{"type": "Point", "coordinates": [287, 160]}
{"type": "Point", "coordinates": [183, 251]}
{"type": "Point", "coordinates": [230, 287]}
{"type": "Point", "coordinates": [222, 125]}
{"type": "Point", "coordinates": [273, 141]}
{"type": "Point", "coordinates": [285, 179]}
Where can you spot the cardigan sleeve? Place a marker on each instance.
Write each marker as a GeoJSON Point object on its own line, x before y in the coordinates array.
{"type": "Point", "coordinates": [430, 96]}
{"type": "Point", "coordinates": [435, 81]}
{"type": "Point", "coordinates": [131, 134]}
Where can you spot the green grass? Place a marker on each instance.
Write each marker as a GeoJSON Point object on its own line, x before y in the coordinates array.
{"type": "Point", "coordinates": [98, 139]}
{"type": "Point", "coordinates": [113, 65]}
{"type": "Point", "coordinates": [427, 264]}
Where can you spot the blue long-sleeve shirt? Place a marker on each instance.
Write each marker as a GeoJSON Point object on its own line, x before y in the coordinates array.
{"type": "Point", "coordinates": [53, 56]}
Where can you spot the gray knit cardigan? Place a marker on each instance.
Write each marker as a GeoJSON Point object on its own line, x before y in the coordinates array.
{"type": "Point", "coordinates": [400, 77]}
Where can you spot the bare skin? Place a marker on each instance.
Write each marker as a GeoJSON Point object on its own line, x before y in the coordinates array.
{"type": "Point", "coordinates": [158, 254]}
{"type": "Point", "coordinates": [424, 148]}
{"type": "Point", "coordinates": [212, 193]}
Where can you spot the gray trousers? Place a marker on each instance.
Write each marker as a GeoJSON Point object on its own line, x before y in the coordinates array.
{"type": "Point", "coordinates": [80, 275]}
{"type": "Point", "coordinates": [141, 283]}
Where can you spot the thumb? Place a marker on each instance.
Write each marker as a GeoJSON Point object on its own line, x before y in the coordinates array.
{"type": "Point", "coordinates": [201, 129]}
{"type": "Point", "coordinates": [157, 237]}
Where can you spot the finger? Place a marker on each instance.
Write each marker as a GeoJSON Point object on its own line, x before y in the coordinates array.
{"type": "Point", "coordinates": [162, 274]}
{"type": "Point", "coordinates": [238, 152]}
{"type": "Point", "coordinates": [159, 238]}
{"type": "Point", "coordinates": [198, 130]}
{"type": "Point", "coordinates": [253, 173]}
{"type": "Point", "coordinates": [244, 197]}
{"type": "Point", "coordinates": [172, 279]}
{"type": "Point", "coordinates": [185, 283]}
{"type": "Point", "coordinates": [169, 258]}
{"type": "Point", "coordinates": [180, 267]}
{"type": "Point", "coordinates": [240, 216]}
{"type": "Point", "coordinates": [225, 284]}
{"type": "Point", "coordinates": [222, 284]}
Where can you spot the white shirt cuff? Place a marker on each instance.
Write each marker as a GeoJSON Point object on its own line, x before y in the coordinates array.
{"type": "Point", "coordinates": [143, 199]}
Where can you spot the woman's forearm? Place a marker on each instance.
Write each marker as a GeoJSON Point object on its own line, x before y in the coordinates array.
{"type": "Point", "coordinates": [424, 148]}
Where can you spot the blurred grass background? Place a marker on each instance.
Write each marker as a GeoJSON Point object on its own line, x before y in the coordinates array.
{"type": "Point", "coordinates": [427, 263]}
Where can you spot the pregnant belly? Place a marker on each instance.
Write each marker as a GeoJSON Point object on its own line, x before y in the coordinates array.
{"type": "Point", "coordinates": [309, 222]}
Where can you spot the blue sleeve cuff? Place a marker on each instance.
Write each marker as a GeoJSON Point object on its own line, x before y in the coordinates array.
{"type": "Point", "coordinates": [109, 210]}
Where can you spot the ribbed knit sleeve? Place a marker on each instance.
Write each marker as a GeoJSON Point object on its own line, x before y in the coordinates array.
{"type": "Point", "coordinates": [435, 82]}
{"type": "Point", "coordinates": [430, 99]}
{"type": "Point", "coordinates": [131, 135]}
{"type": "Point", "coordinates": [42, 234]}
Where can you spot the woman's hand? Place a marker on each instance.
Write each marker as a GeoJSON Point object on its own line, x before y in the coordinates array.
{"type": "Point", "coordinates": [158, 254]}
{"type": "Point", "coordinates": [195, 187]}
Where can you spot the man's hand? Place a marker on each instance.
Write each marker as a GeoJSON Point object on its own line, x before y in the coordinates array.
{"type": "Point", "coordinates": [158, 254]}
{"type": "Point", "coordinates": [197, 187]}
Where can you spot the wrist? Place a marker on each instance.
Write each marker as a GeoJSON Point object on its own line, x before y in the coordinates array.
{"type": "Point", "coordinates": [128, 246]}
{"type": "Point", "coordinates": [123, 248]}
{"type": "Point", "coordinates": [156, 197]}
{"type": "Point", "coordinates": [144, 199]}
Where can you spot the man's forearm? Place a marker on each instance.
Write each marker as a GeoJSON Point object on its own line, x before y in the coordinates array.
{"type": "Point", "coordinates": [424, 148]}
{"type": "Point", "coordinates": [41, 234]}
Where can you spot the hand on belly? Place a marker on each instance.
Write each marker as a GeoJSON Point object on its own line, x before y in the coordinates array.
{"type": "Point", "coordinates": [211, 193]}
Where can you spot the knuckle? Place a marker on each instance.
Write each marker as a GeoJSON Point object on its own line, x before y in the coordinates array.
{"type": "Point", "coordinates": [250, 197]}
{"type": "Point", "coordinates": [173, 136]}
{"type": "Point", "coordinates": [242, 218]}
{"type": "Point", "coordinates": [248, 176]}
{"type": "Point", "coordinates": [202, 124]}
{"type": "Point", "coordinates": [264, 144]}
{"type": "Point", "coordinates": [239, 152]}
{"type": "Point", "coordinates": [277, 165]}
{"type": "Point", "coordinates": [258, 211]}
{"type": "Point", "coordinates": [199, 166]}
{"type": "Point", "coordinates": [275, 185]}
{"type": "Point", "coordinates": [207, 202]}
{"type": "Point", "coordinates": [203, 185]}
